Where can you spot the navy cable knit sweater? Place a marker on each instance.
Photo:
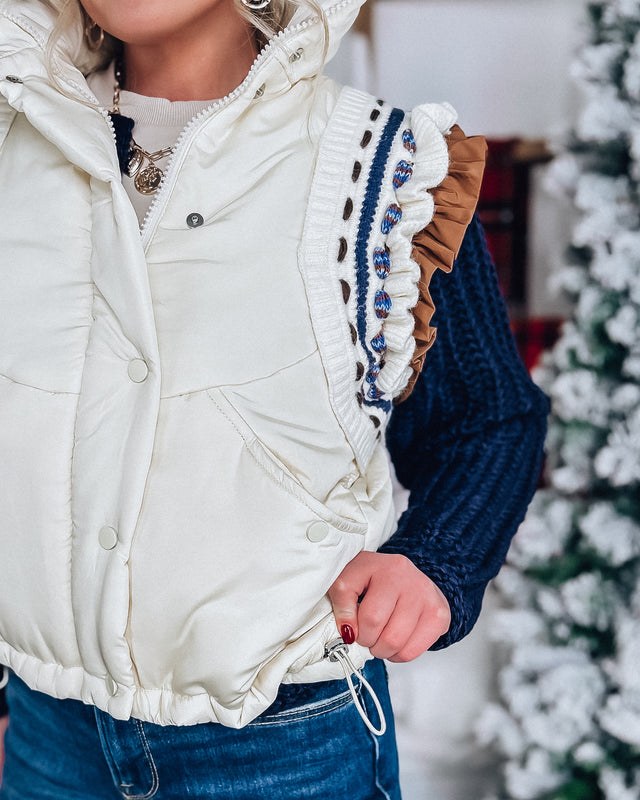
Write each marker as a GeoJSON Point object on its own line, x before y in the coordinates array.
{"type": "Point", "coordinates": [467, 443]}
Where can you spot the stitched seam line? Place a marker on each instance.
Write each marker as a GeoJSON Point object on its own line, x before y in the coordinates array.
{"type": "Point", "coordinates": [3, 136]}
{"type": "Point", "coordinates": [376, 745]}
{"type": "Point", "coordinates": [242, 383]}
{"type": "Point", "coordinates": [37, 388]}
{"type": "Point", "coordinates": [314, 706]}
{"type": "Point", "coordinates": [289, 485]}
{"type": "Point", "coordinates": [107, 751]}
{"type": "Point", "coordinates": [155, 782]}
{"type": "Point", "coordinates": [294, 716]}
{"type": "Point", "coordinates": [249, 450]}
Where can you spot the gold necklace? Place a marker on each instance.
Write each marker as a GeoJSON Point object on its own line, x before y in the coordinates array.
{"type": "Point", "coordinates": [147, 175]}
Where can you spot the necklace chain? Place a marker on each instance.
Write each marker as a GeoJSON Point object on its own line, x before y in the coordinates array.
{"type": "Point", "coordinates": [146, 174]}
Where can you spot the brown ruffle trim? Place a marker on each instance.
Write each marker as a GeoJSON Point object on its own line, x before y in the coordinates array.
{"type": "Point", "coordinates": [437, 246]}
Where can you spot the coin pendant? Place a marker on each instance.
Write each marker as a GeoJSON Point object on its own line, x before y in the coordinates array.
{"type": "Point", "coordinates": [148, 179]}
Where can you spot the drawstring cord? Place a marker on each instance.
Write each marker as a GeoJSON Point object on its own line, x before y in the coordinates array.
{"type": "Point", "coordinates": [4, 680]}
{"type": "Point", "coordinates": [338, 651]}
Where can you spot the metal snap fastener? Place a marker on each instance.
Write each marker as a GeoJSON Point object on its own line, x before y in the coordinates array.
{"type": "Point", "coordinates": [259, 91]}
{"type": "Point", "coordinates": [138, 370]}
{"type": "Point", "coordinates": [297, 55]}
{"type": "Point", "coordinates": [112, 686]}
{"type": "Point", "coordinates": [195, 220]}
{"type": "Point", "coordinates": [13, 79]}
{"type": "Point", "coordinates": [108, 537]}
{"type": "Point", "coordinates": [317, 531]}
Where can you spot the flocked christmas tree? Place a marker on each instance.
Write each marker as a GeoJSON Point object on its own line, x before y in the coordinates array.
{"type": "Point", "coordinates": [568, 722]}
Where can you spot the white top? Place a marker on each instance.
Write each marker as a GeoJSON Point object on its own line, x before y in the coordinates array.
{"type": "Point", "coordinates": [158, 124]}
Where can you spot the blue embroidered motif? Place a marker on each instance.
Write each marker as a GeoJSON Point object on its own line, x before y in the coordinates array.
{"type": "Point", "coordinates": [381, 262]}
{"type": "Point", "coordinates": [403, 172]}
{"type": "Point", "coordinates": [382, 305]}
{"type": "Point", "coordinates": [392, 216]}
{"type": "Point", "coordinates": [373, 373]}
{"type": "Point", "coordinates": [379, 343]}
{"type": "Point", "coordinates": [409, 141]}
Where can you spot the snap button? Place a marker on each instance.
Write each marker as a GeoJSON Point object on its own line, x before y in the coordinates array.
{"type": "Point", "coordinates": [195, 220]}
{"type": "Point", "coordinates": [259, 91]}
{"type": "Point", "coordinates": [13, 79]}
{"type": "Point", "coordinates": [112, 686]}
{"type": "Point", "coordinates": [317, 531]}
{"type": "Point", "coordinates": [138, 370]}
{"type": "Point", "coordinates": [108, 537]}
{"type": "Point", "coordinates": [297, 55]}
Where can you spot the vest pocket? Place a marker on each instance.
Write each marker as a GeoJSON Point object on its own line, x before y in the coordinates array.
{"type": "Point", "coordinates": [350, 518]}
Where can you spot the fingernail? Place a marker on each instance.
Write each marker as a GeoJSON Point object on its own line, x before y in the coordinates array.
{"type": "Point", "coordinates": [348, 636]}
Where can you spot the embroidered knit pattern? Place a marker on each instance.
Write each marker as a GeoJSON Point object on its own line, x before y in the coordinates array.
{"type": "Point", "coordinates": [377, 167]}
{"type": "Point", "coordinates": [399, 182]}
{"type": "Point", "coordinates": [380, 254]}
{"type": "Point", "coordinates": [365, 275]}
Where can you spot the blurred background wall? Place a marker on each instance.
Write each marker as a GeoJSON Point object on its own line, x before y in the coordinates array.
{"type": "Point", "coordinates": [505, 66]}
{"type": "Point", "coordinates": [503, 63]}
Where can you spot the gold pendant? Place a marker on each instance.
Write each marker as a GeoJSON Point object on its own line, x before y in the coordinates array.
{"type": "Point", "coordinates": [147, 180]}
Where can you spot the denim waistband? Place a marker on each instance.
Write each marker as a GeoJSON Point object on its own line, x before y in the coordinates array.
{"type": "Point", "coordinates": [292, 695]}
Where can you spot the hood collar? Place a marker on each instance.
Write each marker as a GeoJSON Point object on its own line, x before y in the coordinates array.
{"type": "Point", "coordinates": [298, 52]}
{"type": "Point", "coordinates": [299, 48]}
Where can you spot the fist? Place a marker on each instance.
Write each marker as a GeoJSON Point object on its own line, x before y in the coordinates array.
{"type": "Point", "coordinates": [401, 612]}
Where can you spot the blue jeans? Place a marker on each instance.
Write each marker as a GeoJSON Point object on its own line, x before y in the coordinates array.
{"type": "Point", "coordinates": [64, 750]}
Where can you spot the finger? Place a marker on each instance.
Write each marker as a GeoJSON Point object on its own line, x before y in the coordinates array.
{"type": "Point", "coordinates": [399, 628]}
{"type": "Point", "coordinates": [428, 630]}
{"type": "Point", "coordinates": [376, 609]}
{"type": "Point", "coordinates": [344, 594]}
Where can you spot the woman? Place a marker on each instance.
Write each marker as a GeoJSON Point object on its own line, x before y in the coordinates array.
{"type": "Point", "coordinates": [205, 328]}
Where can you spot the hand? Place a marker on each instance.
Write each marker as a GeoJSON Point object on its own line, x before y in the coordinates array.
{"type": "Point", "coordinates": [4, 723]}
{"type": "Point", "coordinates": [401, 612]}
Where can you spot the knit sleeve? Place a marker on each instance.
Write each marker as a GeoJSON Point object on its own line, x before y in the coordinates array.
{"type": "Point", "coordinates": [468, 442]}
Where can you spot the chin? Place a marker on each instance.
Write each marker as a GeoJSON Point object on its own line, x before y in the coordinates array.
{"type": "Point", "coordinates": [145, 22]}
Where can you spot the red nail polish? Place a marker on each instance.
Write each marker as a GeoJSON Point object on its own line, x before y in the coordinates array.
{"type": "Point", "coordinates": [348, 636]}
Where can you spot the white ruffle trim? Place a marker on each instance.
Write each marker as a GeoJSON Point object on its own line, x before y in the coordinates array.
{"type": "Point", "coordinates": [429, 124]}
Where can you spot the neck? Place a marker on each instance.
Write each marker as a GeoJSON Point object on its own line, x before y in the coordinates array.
{"type": "Point", "coordinates": [193, 64]}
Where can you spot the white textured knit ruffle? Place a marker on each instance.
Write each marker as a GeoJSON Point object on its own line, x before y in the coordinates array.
{"type": "Point", "coordinates": [370, 196]}
{"type": "Point", "coordinates": [429, 124]}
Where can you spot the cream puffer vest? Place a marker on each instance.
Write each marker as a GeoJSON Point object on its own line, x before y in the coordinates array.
{"type": "Point", "coordinates": [191, 419]}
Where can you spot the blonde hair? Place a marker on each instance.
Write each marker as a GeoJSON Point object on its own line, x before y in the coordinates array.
{"type": "Point", "coordinates": [72, 21]}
